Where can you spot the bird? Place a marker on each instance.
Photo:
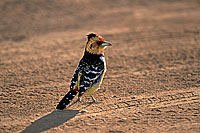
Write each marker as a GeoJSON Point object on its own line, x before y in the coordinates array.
{"type": "Point", "coordinates": [90, 71]}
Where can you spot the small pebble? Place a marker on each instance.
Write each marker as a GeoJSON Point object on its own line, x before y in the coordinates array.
{"type": "Point", "coordinates": [83, 111]}
{"type": "Point", "coordinates": [122, 120]}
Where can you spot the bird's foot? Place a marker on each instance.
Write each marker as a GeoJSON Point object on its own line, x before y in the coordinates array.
{"type": "Point", "coordinates": [93, 99]}
{"type": "Point", "coordinates": [79, 99]}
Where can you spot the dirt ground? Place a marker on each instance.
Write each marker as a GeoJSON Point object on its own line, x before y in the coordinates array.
{"type": "Point", "coordinates": [152, 82]}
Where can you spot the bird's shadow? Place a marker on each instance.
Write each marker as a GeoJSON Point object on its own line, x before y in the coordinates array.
{"type": "Point", "coordinates": [51, 120]}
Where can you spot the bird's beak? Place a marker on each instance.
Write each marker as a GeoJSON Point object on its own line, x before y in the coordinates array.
{"type": "Point", "coordinates": [105, 43]}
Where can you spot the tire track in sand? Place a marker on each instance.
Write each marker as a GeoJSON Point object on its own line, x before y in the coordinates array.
{"type": "Point", "coordinates": [158, 100]}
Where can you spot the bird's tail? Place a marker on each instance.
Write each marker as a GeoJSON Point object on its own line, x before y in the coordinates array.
{"type": "Point", "coordinates": [67, 99]}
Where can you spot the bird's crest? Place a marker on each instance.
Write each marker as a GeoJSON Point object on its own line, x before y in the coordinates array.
{"type": "Point", "coordinates": [95, 37]}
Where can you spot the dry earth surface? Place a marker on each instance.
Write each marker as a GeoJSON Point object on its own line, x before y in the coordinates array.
{"type": "Point", "coordinates": [152, 82]}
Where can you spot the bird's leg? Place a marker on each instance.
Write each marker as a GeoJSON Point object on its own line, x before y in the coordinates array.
{"type": "Point", "coordinates": [93, 99]}
{"type": "Point", "coordinates": [79, 99]}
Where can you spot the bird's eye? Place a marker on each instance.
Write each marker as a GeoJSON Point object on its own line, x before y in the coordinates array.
{"type": "Point", "coordinates": [91, 47]}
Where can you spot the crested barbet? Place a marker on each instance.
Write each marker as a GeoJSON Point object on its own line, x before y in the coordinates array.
{"type": "Point", "coordinates": [90, 72]}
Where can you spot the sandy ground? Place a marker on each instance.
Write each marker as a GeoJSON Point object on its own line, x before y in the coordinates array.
{"type": "Point", "coordinates": [152, 82]}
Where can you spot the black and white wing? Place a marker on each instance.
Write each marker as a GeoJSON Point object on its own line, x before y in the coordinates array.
{"type": "Point", "coordinates": [91, 75]}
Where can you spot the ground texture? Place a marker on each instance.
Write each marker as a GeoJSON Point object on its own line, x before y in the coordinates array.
{"type": "Point", "coordinates": [152, 82]}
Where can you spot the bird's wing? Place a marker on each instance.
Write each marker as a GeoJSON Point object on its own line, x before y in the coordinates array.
{"type": "Point", "coordinates": [90, 75]}
{"type": "Point", "coordinates": [77, 74]}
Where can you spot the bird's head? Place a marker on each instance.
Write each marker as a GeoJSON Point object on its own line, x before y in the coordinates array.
{"type": "Point", "coordinates": [96, 44]}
